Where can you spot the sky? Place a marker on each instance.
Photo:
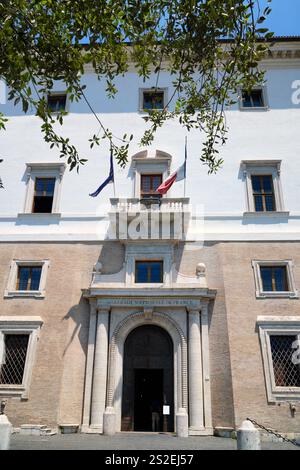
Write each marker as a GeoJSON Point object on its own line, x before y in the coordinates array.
{"type": "Point", "coordinates": [284, 19]}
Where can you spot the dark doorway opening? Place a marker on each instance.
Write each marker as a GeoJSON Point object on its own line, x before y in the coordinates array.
{"type": "Point", "coordinates": [148, 399]}
{"type": "Point", "coordinates": [148, 380]}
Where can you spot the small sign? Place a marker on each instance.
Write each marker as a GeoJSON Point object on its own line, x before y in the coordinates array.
{"type": "Point", "coordinates": [166, 410]}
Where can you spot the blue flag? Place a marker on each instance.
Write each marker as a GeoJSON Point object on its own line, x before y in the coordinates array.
{"type": "Point", "coordinates": [109, 179]}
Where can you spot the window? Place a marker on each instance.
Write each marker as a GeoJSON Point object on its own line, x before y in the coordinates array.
{"type": "Point", "coordinates": [27, 278]}
{"type": "Point", "coordinates": [280, 341]}
{"type": "Point", "coordinates": [13, 359]}
{"type": "Point", "coordinates": [274, 279]}
{"type": "Point", "coordinates": [18, 341]}
{"type": "Point", "coordinates": [152, 99]}
{"type": "Point", "coordinates": [148, 271]}
{"type": "Point", "coordinates": [57, 102]}
{"type": "Point", "coordinates": [263, 188]}
{"type": "Point", "coordinates": [263, 193]}
{"type": "Point", "coordinates": [150, 163]}
{"type": "Point", "coordinates": [43, 195]}
{"type": "Point", "coordinates": [149, 185]}
{"type": "Point", "coordinates": [286, 373]}
{"type": "Point", "coordinates": [44, 182]}
{"type": "Point", "coordinates": [253, 99]}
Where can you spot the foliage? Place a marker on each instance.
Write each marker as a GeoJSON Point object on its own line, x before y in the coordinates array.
{"type": "Point", "coordinates": [210, 47]}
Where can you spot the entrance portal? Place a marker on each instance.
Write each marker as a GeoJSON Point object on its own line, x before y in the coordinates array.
{"type": "Point", "coordinates": [148, 380]}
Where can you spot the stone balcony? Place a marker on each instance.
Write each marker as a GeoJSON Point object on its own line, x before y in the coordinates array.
{"type": "Point", "coordinates": [151, 218]}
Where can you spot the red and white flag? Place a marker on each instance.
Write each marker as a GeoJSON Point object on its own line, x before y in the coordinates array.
{"type": "Point", "coordinates": [178, 175]}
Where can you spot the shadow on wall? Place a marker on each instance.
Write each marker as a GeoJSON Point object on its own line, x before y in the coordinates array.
{"type": "Point", "coordinates": [80, 315]}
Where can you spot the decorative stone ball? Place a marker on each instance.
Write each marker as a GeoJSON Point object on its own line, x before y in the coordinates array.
{"type": "Point", "coordinates": [200, 269]}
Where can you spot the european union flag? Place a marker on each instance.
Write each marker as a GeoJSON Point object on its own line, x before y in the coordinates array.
{"type": "Point", "coordinates": [109, 179]}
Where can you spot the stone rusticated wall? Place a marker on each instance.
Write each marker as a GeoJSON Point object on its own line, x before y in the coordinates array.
{"type": "Point", "coordinates": [238, 387]}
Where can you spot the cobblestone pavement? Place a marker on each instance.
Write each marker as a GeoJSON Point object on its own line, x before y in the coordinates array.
{"type": "Point", "coordinates": [131, 441]}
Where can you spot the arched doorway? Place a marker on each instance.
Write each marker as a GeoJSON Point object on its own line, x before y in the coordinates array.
{"type": "Point", "coordinates": [148, 382]}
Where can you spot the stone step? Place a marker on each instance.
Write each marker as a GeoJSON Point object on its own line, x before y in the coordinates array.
{"type": "Point", "coordinates": [35, 429]}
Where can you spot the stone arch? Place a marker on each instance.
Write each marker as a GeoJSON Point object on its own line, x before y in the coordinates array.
{"type": "Point", "coordinates": [115, 369]}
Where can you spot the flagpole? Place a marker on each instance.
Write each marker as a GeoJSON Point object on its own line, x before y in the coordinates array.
{"type": "Point", "coordinates": [112, 156]}
{"type": "Point", "coordinates": [185, 155]}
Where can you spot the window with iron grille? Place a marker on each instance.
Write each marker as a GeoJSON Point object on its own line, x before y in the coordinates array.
{"type": "Point", "coordinates": [14, 359]}
{"type": "Point", "coordinates": [29, 277]}
{"type": "Point", "coordinates": [286, 373]}
{"type": "Point", "coordinates": [263, 193]}
{"type": "Point", "coordinates": [149, 185]}
{"type": "Point", "coordinates": [274, 278]}
{"type": "Point", "coordinates": [57, 102]}
{"type": "Point", "coordinates": [253, 99]}
{"type": "Point", "coordinates": [43, 195]}
{"type": "Point", "coordinates": [148, 271]}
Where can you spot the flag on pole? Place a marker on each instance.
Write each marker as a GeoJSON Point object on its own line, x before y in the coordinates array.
{"type": "Point", "coordinates": [178, 175]}
{"type": "Point", "coordinates": [109, 179]}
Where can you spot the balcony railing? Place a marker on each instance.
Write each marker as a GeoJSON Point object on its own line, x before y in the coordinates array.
{"type": "Point", "coordinates": [136, 205]}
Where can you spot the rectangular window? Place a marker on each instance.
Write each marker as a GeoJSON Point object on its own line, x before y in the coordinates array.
{"type": "Point", "coordinates": [153, 99]}
{"type": "Point", "coordinates": [43, 195]}
{"type": "Point", "coordinates": [29, 277]}
{"type": "Point", "coordinates": [148, 271]}
{"type": "Point", "coordinates": [253, 99]}
{"type": "Point", "coordinates": [57, 102]}
{"type": "Point", "coordinates": [149, 185]}
{"type": "Point", "coordinates": [286, 373]}
{"type": "Point", "coordinates": [263, 193]}
{"type": "Point", "coordinates": [274, 278]}
{"type": "Point", "coordinates": [14, 359]}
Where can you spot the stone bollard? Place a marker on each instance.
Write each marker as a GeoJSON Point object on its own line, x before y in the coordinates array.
{"type": "Point", "coordinates": [182, 427]}
{"type": "Point", "coordinates": [248, 437]}
{"type": "Point", "coordinates": [5, 432]}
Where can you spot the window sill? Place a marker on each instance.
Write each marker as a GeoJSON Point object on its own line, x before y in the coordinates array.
{"type": "Point", "coordinates": [147, 111]}
{"type": "Point", "coordinates": [284, 393]}
{"type": "Point", "coordinates": [25, 294]}
{"type": "Point", "coordinates": [148, 284]}
{"type": "Point", "coordinates": [13, 391]}
{"type": "Point", "coordinates": [255, 108]}
{"type": "Point", "coordinates": [277, 214]}
{"type": "Point", "coordinates": [39, 214]}
{"type": "Point", "coordinates": [277, 295]}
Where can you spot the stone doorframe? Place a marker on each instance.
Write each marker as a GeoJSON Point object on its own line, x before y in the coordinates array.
{"type": "Point", "coordinates": [104, 369]}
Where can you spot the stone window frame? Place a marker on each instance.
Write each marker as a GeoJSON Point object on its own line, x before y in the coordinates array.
{"type": "Point", "coordinates": [277, 326]}
{"type": "Point", "coordinates": [11, 290]}
{"type": "Point", "coordinates": [266, 106]}
{"type": "Point", "coordinates": [146, 163]}
{"type": "Point", "coordinates": [30, 325]}
{"type": "Point", "coordinates": [153, 89]}
{"type": "Point", "coordinates": [147, 252]}
{"type": "Point", "coordinates": [262, 167]}
{"type": "Point", "coordinates": [43, 170]}
{"type": "Point", "coordinates": [292, 293]}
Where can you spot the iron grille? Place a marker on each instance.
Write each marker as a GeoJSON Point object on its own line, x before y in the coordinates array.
{"type": "Point", "coordinates": [287, 374]}
{"type": "Point", "coordinates": [15, 350]}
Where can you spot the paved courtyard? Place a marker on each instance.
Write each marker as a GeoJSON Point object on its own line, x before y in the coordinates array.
{"type": "Point", "coordinates": [131, 441]}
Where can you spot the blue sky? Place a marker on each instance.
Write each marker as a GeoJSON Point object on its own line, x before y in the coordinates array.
{"type": "Point", "coordinates": [284, 19]}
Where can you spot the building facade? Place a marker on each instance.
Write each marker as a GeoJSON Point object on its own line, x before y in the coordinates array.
{"type": "Point", "coordinates": [130, 312]}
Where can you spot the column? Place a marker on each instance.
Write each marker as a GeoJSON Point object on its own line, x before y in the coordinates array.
{"type": "Point", "coordinates": [195, 372]}
{"type": "Point", "coordinates": [206, 367]}
{"type": "Point", "coordinates": [89, 367]}
{"type": "Point", "coordinates": [100, 370]}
